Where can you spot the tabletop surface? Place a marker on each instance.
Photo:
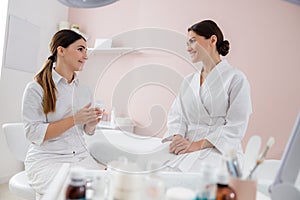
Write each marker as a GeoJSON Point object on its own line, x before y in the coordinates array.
{"type": "Point", "coordinates": [57, 189]}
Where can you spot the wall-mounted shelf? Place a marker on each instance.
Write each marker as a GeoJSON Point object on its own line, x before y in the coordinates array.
{"type": "Point", "coordinates": [116, 50]}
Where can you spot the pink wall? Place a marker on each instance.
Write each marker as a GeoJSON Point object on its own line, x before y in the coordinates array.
{"type": "Point", "coordinates": [265, 44]}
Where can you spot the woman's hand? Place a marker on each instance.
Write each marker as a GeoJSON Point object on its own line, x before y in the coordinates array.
{"type": "Point", "coordinates": [181, 145]}
{"type": "Point", "coordinates": [90, 117]}
{"type": "Point", "coordinates": [87, 115]}
{"type": "Point", "coordinates": [95, 119]}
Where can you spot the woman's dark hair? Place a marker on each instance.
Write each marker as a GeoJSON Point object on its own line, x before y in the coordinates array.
{"type": "Point", "coordinates": [61, 38]}
{"type": "Point", "coordinates": [207, 28]}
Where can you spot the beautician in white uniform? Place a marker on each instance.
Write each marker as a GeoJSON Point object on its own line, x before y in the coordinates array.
{"type": "Point", "coordinates": [211, 111]}
{"type": "Point", "coordinates": [57, 112]}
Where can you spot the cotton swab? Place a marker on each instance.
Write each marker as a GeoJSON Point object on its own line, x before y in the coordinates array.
{"type": "Point", "coordinates": [262, 156]}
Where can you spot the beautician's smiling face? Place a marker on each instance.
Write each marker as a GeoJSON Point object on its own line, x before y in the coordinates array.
{"type": "Point", "coordinates": [197, 46]}
{"type": "Point", "coordinates": [75, 55]}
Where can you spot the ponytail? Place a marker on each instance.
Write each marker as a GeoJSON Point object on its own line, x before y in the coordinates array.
{"type": "Point", "coordinates": [44, 78]}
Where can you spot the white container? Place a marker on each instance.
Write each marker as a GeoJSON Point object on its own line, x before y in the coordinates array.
{"type": "Point", "coordinates": [63, 25]}
{"type": "Point", "coordinates": [102, 43]}
{"type": "Point", "coordinates": [126, 182]}
{"type": "Point", "coordinates": [180, 193]}
{"type": "Point", "coordinates": [154, 188]}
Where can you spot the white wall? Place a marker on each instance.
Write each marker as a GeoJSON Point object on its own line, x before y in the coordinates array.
{"type": "Point", "coordinates": [264, 45]}
{"type": "Point", "coordinates": [3, 15]}
{"type": "Point", "coordinates": [264, 40]}
{"type": "Point", "coordinates": [44, 14]}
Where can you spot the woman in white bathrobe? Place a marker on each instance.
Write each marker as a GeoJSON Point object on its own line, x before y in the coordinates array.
{"type": "Point", "coordinates": [57, 111]}
{"type": "Point", "coordinates": [211, 111]}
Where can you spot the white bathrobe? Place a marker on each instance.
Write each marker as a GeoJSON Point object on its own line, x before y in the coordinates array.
{"type": "Point", "coordinates": [217, 111]}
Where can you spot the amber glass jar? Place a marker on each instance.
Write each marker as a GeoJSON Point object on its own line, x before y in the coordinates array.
{"type": "Point", "coordinates": [225, 192]}
{"type": "Point", "coordinates": [76, 188]}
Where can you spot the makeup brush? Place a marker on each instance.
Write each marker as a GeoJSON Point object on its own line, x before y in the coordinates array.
{"type": "Point", "coordinates": [262, 156]}
{"type": "Point", "coordinates": [232, 163]}
{"type": "Point", "coordinates": [252, 151]}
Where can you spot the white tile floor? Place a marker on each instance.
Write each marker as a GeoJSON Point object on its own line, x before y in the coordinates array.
{"type": "Point", "coordinates": [5, 193]}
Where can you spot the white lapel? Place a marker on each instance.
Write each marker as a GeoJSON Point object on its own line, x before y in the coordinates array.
{"type": "Point", "coordinates": [214, 91]}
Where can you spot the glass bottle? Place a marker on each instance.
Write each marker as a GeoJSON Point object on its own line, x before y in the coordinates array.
{"type": "Point", "coordinates": [154, 186]}
{"type": "Point", "coordinates": [76, 188]}
{"type": "Point", "coordinates": [207, 189]}
{"type": "Point", "coordinates": [224, 191]}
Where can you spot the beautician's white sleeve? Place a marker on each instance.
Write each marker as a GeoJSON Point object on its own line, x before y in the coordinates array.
{"type": "Point", "coordinates": [34, 119]}
{"type": "Point", "coordinates": [176, 119]}
{"type": "Point", "coordinates": [236, 120]}
{"type": "Point", "coordinates": [82, 96]}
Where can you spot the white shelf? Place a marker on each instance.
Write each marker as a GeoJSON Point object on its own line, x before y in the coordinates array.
{"type": "Point", "coordinates": [117, 50]}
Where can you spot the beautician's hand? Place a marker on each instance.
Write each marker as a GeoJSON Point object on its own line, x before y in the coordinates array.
{"type": "Point", "coordinates": [90, 127]}
{"type": "Point", "coordinates": [87, 115]}
{"type": "Point", "coordinates": [95, 121]}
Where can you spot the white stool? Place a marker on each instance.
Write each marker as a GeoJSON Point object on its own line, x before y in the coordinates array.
{"type": "Point", "coordinates": [18, 145]}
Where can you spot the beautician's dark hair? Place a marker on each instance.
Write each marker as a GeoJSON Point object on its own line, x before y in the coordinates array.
{"type": "Point", "coordinates": [207, 28]}
{"type": "Point", "coordinates": [61, 38]}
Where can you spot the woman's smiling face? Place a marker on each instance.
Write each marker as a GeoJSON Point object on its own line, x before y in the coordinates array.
{"type": "Point", "coordinates": [197, 46]}
{"type": "Point", "coordinates": [76, 55]}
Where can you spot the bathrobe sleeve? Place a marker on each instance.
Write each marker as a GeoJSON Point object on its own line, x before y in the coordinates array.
{"type": "Point", "coordinates": [177, 122]}
{"type": "Point", "coordinates": [32, 111]}
{"type": "Point", "coordinates": [230, 134]}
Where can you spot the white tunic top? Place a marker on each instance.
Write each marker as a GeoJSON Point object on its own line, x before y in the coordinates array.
{"type": "Point", "coordinates": [44, 158]}
{"type": "Point", "coordinates": [218, 111]}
